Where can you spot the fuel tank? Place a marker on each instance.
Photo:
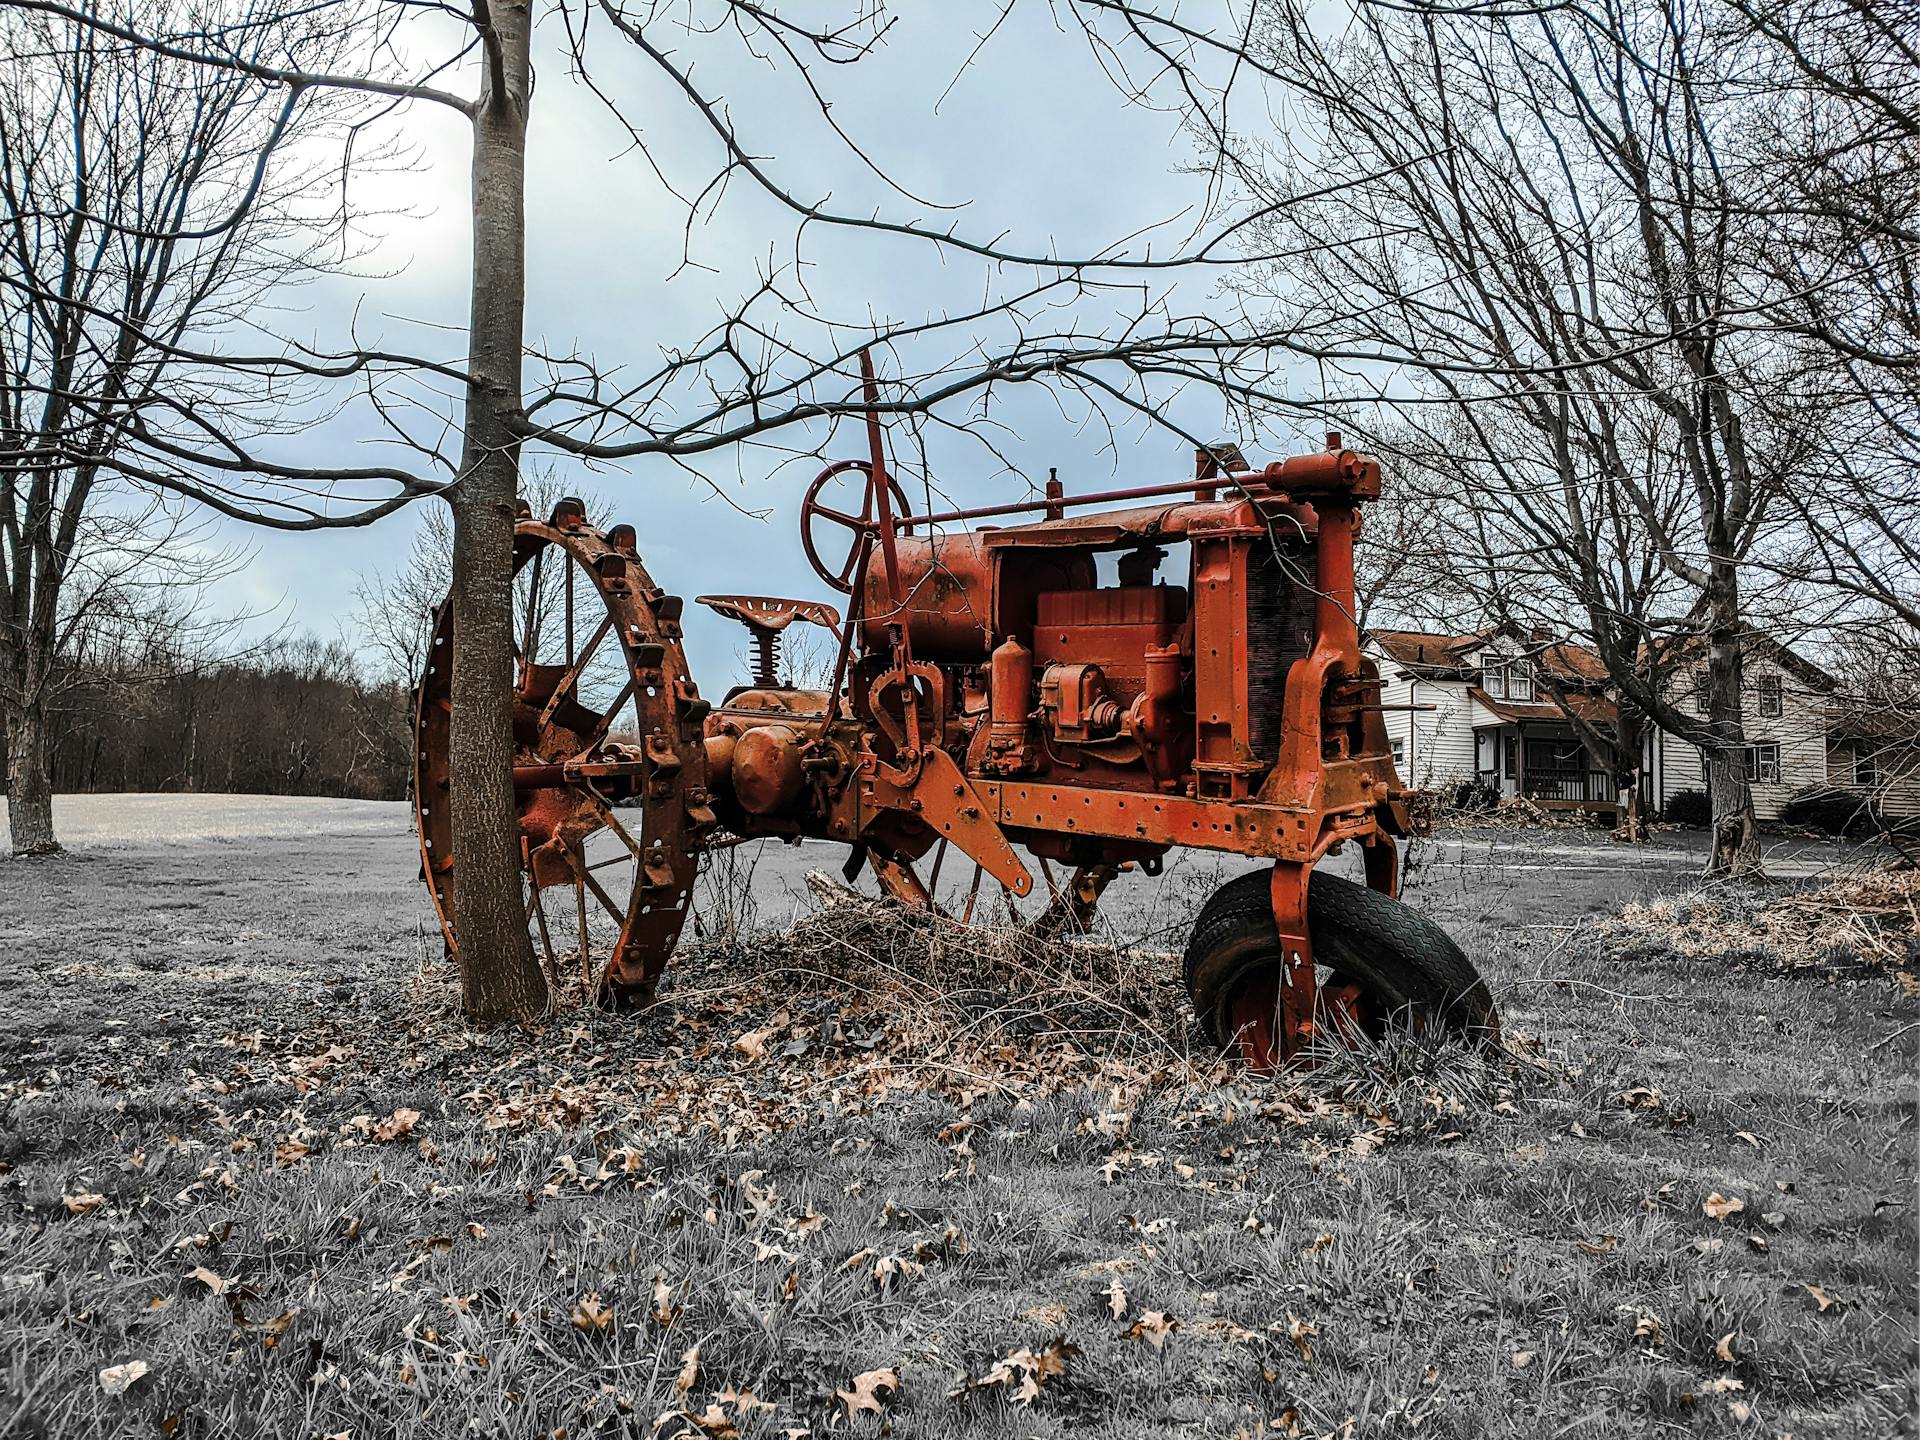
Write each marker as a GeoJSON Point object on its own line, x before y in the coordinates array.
{"type": "Point", "coordinates": [958, 601]}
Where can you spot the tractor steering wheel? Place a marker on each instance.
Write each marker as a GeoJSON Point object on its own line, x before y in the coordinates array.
{"type": "Point", "coordinates": [858, 526]}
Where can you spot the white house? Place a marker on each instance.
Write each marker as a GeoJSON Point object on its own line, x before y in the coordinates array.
{"type": "Point", "coordinates": [1492, 720]}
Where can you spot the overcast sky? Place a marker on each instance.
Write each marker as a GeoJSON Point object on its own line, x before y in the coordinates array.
{"type": "Point", "coordinates": [1032, 138]}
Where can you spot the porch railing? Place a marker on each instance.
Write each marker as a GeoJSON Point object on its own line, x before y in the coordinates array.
{"type": "Point", "coordinates": [1574, 785]}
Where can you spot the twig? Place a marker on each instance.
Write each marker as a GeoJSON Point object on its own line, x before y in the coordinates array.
{"type": "Point", "coordinates": [1888, 1040]}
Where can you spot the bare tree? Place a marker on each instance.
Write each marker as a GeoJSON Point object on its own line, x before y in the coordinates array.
{"type": "Point", "coordinates": [157, 703]}
{"type": "Point", "coordinates": [1832, 146]}
{"type": "Point", "coordinates": [1098, 326]}
{"type": "Point", "coordinates": [1545, 299]}
{"type": "Point", "coordinates": [133, 212]}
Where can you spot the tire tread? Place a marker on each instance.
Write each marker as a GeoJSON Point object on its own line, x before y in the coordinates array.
{"type": "Point", "coordinates": [1398, 953]}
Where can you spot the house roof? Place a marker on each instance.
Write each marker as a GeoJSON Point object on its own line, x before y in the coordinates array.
{"type": "Point", "coordinates": [1686, 649]}
{"type": "Point", "coordinates": [1429, 653]}
{"type": "Point", "coordinates": [1595, 709]}
{"type": "Point", "coordinates": [1575, 662]}
{"type": "Point", "coordinates": [1426, 650]}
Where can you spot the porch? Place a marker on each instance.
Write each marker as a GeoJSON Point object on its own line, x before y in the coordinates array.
{"type": "Point", "coordinates": [1545, 762]}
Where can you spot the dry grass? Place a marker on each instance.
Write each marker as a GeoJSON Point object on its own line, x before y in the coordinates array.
{"type": "Point", "coordinates": [865, 1174]}
{"type": "Point", "coordinates": [1869, 916]}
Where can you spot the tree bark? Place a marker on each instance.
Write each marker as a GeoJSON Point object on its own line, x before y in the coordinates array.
{"type": "Point", "coordinates": [29, 782]}
{"type": "Point", "coordinates": [1736, 837]}
{"type": "Point", "coordinates": [499, 977]}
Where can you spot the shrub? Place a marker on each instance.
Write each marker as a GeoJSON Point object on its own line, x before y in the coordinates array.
{"type": "Point", "coordinates": [1831, 809]}
{"type": "Point", "coordinates": [1472, 797]}
{"type": "Point", "coordinates": [1688, 807]}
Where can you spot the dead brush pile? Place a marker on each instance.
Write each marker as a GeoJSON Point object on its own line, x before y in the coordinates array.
{"type": "Point", "coordinates": [950, 1006]}
{"type": "Point", "coordinates": [861, 1003]}
{"type": "Point", "coordinates": [854, 1002]}
{"type": "Point", "coordinates": [1866, 919]}
{"type": "Point", "coordinates": [977, 989]}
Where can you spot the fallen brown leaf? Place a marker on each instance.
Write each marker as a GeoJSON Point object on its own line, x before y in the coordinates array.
{"type": "Point", "coordinates": [1025, 1372]}
{"type": "Point", "coordinates": [590, 1314]}
{"type": "Point", "coordinates": [1302, 1335]}
{"type": "Point", "coordinates": [864, 1390]}
{"type": "Point", "coordinates": [272, 1330]}
{"type": "Point", "coordinates": [396, 1125]}
{"type": "Point", "coordinates": [1718, 1207]}
{"type": "Point", "coordinates": [1153, 1326]}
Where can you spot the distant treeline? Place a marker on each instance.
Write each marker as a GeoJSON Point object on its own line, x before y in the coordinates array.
{"type": "Point", "coordinates": [293, 717]}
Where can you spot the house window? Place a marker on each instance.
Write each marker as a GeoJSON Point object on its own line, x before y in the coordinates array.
{"type": "Point", "coordinates": [1865, 771]}
{"type": "Point", "coordinates": [1770, 698]}
{"type": "Point", "coordinates": [1520, 680]}
{"type": "Point", "coordinates": [1510, 756]}
{"type": "Point", "coordinates": [1493, 678]}
{"type": "Point", "coordinates": [1399, 750]}
{"type": "Point", "coordinates": [1763, 764]}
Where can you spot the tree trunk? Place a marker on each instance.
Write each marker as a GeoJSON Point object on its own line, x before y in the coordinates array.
{"type": "Point", "coordinates": [499, 978]}
{"type": "Point", "coordinates": [1629, 761]}
{"type": "Point", "coordinates": [1633, 824]}
{"type": "Point", "coordinates": [1736, 838]}
{"type": "Point", "coordinates": [29, 782]}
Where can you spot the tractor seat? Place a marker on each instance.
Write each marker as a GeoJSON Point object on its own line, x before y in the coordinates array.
{"type": "Point", "coordinates": [766, 613]}
{"type": "Point", "coordinates": [765, 617]}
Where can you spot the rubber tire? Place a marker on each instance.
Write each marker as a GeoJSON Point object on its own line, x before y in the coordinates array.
{"type": "Point", "coordinates": [1410, 968]}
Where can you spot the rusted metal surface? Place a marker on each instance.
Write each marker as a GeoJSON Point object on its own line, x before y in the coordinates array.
{"type": "Point", "coordinates": [991, 692]}
{"type": "Point", "coordinates": [834, 539]}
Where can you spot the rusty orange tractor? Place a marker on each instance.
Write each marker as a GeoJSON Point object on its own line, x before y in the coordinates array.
{"type": "Point", "coordinates": [1095, 686]}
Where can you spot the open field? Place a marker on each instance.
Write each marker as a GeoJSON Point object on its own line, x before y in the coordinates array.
{"type": "Point", "coordinates": [862, 1179]}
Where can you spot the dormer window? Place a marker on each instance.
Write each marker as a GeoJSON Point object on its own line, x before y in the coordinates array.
{"type": "Point", "coordinates": [1505, 678]}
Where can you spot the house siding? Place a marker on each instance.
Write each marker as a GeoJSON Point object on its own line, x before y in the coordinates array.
{"type": "Point", "coordinates": [1679, 767]}
{"type": "Point", "coordinates": [1800, 730]}
{"type": "Point", "coordinates": [1436, 746]}
{"type": "Point", "coordinates": [1897, 786]}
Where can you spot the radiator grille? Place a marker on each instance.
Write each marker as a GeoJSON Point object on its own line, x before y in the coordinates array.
{"type": "Point", "coordinates": [1280, 605]}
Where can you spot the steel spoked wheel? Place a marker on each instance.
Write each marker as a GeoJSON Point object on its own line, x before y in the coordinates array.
{"type": "Point", "coordinates": [1377, 963]}
{"type": "Point", "coordinates": [608, 765]}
